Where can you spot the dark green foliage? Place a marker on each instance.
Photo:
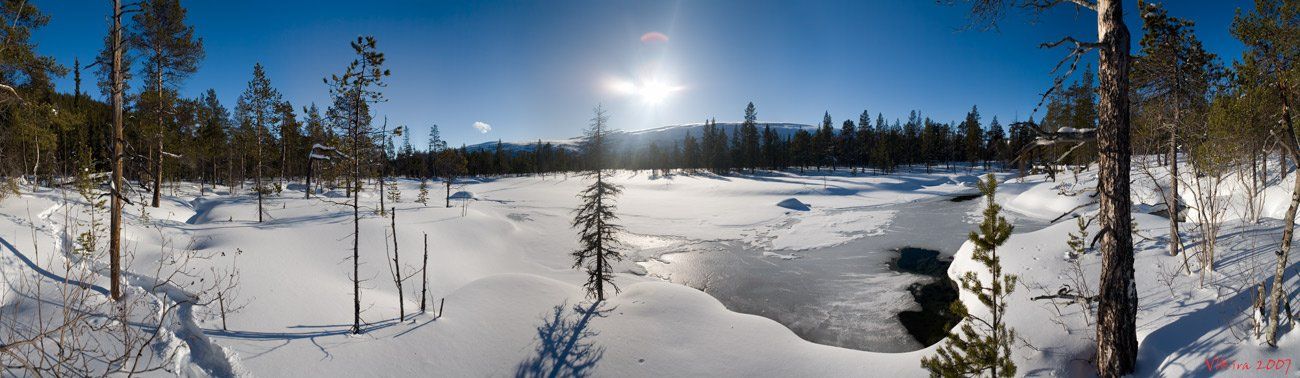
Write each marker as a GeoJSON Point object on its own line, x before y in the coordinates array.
{"type": "Point", "coordinates": [983, 347]}
{"type": "Point", "coordinates": [597, 233]}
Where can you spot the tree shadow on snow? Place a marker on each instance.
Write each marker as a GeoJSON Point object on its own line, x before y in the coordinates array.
{"type": "Point", "coordinates": [564, 344]}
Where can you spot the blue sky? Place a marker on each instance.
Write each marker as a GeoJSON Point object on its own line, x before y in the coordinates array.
{"type": "Point", "coordinates": [535, 69]}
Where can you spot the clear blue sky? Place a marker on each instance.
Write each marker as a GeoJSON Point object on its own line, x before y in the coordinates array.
{"type": "Point", "coordinates": [535, 69]}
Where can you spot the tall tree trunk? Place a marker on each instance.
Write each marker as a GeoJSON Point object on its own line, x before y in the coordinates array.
{"type": "Point", "coordinates": [115, 220]}
{"type": "Point", "coordinates": [257, 181]}
{"type": "Point", "coordinates": [1117, 304]}
{"type": "Point", "coordinates": [157, 153]}
{"type": "Point", "coordinates": [307, 189]}
{"type": "Point", "coordinates": [356, 213]}
{"type": "Point", "coordinates": [1171, 200]}
{"type": "Point", "coordinates": [424, 283]}
{"type": "Point", "coordinates": [600, 237]}
{"type": "Point", "coordinates": [397, 269]}
{"type": "Point", "coordinates": [1288, 228]}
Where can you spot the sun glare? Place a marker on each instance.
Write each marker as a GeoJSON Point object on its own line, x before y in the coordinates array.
{"type": "Point", "coordinates": [652, 92]}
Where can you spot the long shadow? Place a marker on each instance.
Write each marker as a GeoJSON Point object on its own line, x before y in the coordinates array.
{"type": "Point", "coordinates": [564, 345]}
{"type": "Point", "coordinates": [49, 274]}
{"type": "Point", "coordinates": [323, 330]}
{"type": "Point", "coordinates": [1193, 334]}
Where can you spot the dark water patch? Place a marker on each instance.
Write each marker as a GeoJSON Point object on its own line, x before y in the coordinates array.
{"type": "Point", "coordinates": [965, 197]}
{"type": "Point", "coordinates": [931, 324]}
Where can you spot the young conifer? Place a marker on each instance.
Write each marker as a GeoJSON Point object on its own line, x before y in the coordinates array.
{"type": "Point", "coordinates": [984, 345]}
{"type": "Point", "coordinates": [597, 233]}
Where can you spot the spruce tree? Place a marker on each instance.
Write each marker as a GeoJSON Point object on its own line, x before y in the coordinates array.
{"type": "Point", "coordinates": [984, 345]}
{"type": "Point", "coordinates": [749, 139]}
{"type": "Point", "coordinates": [598, 235]}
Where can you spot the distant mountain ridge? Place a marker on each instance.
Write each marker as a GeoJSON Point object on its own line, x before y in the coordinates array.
{"type": "Point", "coordinates": [664, 137]}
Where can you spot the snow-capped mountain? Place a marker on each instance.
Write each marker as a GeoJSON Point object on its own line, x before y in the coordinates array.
{"type": "Point", "coordinates": [663, 136]}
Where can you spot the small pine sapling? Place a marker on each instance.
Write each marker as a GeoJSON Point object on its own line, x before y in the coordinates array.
{"type": "Point", "coordinates": [1078, 241]}
{"type": "Point", "coordinates": [423, 197]}
{"type": "Point", "coordinates": [984, 345]}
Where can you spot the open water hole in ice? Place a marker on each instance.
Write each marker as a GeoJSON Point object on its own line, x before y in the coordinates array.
{"type": "Point", "coordinates": [848, 295]}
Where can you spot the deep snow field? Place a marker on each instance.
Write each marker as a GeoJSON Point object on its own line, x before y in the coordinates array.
{"type": "Point", "coordinates": [514, 305]}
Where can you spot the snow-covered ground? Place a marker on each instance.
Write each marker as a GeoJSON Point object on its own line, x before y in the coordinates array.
{"type": "Point", "coordinates": [514, 305]}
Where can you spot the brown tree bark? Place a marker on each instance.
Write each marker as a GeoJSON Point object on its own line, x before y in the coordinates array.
{"type": "Point", "coordinates": [115, 219]}
{"type": "Point", "coordinates": [1117, 304]}
{"type": "Point", "coordinates": [157, 153]}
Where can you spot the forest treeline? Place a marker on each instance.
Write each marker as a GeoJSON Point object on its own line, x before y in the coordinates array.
{"type": "Point", "coordinates": [49, 136]}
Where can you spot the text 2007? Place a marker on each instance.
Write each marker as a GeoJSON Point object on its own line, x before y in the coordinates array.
{"type": "Point", "coordinates": [1280, 365]}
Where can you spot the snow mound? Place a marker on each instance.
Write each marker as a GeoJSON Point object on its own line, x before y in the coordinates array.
{"type": "Point", "coordinates": [463, 195]}
{"type": "Point", "coordinates": [794, 204]}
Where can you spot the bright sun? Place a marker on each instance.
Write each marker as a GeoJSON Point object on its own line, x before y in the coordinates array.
{"type": "Point", "coordinates": [652, 92]}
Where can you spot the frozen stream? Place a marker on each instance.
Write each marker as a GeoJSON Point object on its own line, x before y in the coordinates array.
{"type": "Point", "coordinates": [845, 295]}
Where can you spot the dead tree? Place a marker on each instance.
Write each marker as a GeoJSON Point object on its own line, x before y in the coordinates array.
{"type": "Point", "coordinates": [115, 192]}
{"type": "Point", "coordinates": [397, 269]}
{"type": "Point", "coordinates": [424, 270]}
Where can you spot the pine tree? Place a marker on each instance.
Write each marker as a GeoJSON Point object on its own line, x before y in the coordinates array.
{"type": "Point", "coordinates": [865, 140]}
{"type": "Point", "coordinates": [996, 149]}
{"type": "Point", "coordinates": [973, 135]}
{"type": "Point", "coordinates": [597, 234]}
{"type": "Point", "coordinates": [690, 153]}
{"type": "Point", "coordinates": [1272, 38]}
{"type": "Point", "coordinates": [848, 145]}
{"type": "Point", "coordinates": [801, 149]}
{"type": "Point", "coordinates": [771, 141]}
{"type": "Point", "coordinates": [984, 345]}
{"type": "Point", "coordinates": [171, 53]}
{"type": "Point", "coordinates": [824, 143]}
{"type": "Point", "coordinates": [357, 86]}
{"type": "Point", "coordinates": [257, 109]}
{"type": "Point", "coordinates": [1172, 79]}
{"type": "Point", "coordinates": [450, 164]}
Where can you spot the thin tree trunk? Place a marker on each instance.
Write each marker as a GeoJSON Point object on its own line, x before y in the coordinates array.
{"type": "Point", "coordinates": [600, 238]}
{"type": "Point", "coordinates": [1288, 228]}
{"type": "Point", "coordinates": [1171, 204]}
{"type": "Point", "coordinates": [356, 221]}
{"type": "Point", "coordinates": [115, 220]}
{"type": "Point", "coordinates": [1117, 304]}
{"type": "Point", "coordinates": [258, 180]}
{"type": "Point", "coordinates": [307, 188]}
{"type": "Point", "coordinates": [157, 154]}
{"type": "Point", "coordinates": [397, 269]}
{"type": "Point", "coordinates": [424, 270]}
